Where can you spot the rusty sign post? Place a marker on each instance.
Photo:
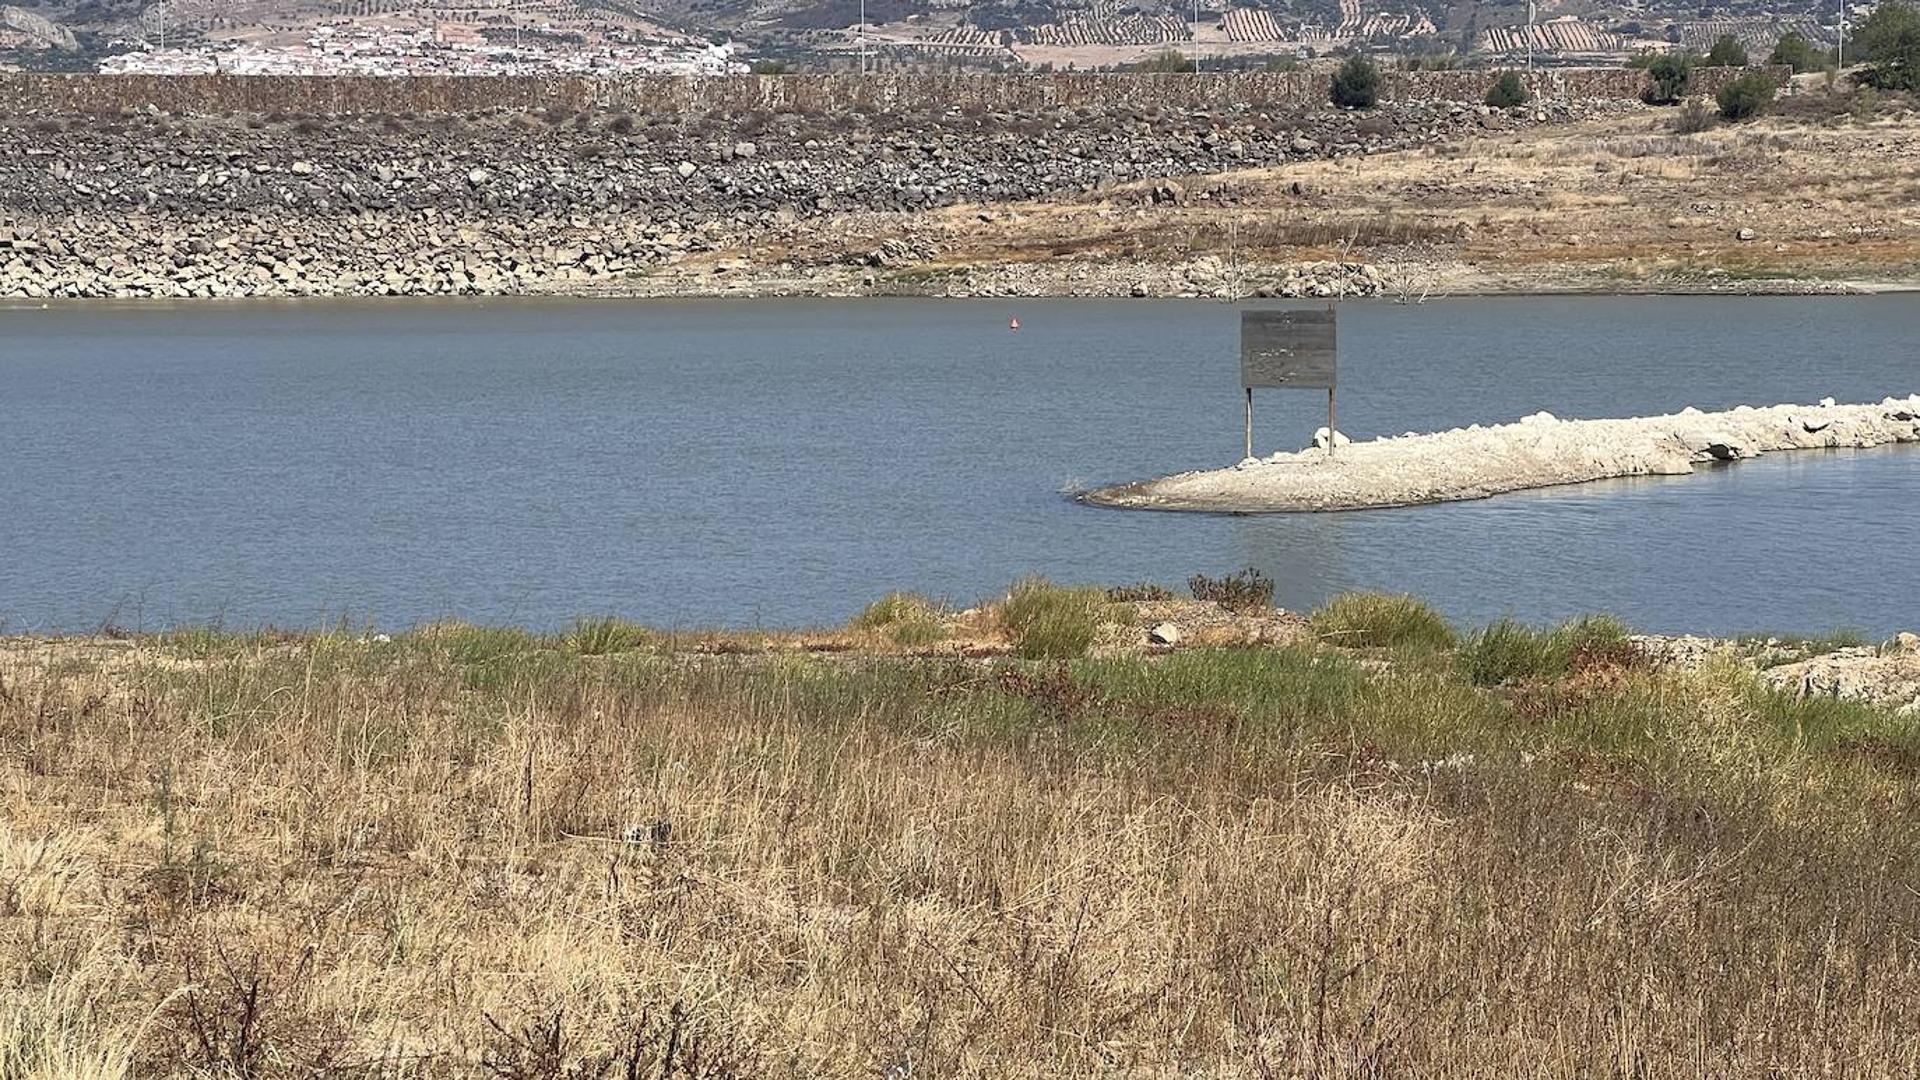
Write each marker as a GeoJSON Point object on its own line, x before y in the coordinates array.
{"type": "Point", "coordinates": [1288, 350]}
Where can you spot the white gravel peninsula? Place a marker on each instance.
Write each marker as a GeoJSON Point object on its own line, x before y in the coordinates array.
{"type": "Point", "coordinates": [1538, 451]}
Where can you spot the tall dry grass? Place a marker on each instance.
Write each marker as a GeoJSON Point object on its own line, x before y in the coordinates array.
{"type": "Point", "coordinates": [433, 858]}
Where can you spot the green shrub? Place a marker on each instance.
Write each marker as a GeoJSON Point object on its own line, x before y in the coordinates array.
{"type": "Point", "coordinates": [1508, 91]}
{"type": "Point", "coordinates": [1889, 42]}
{"type": "Point", "coordinates": [1726, 52]}
{"type": "Point", "coordinates": [1363, 620]}
{"type": "Point", "coordinates": [1798, 53]}
{"type": "Point", "coordinates": [1745, 97]}
{"type": "Point", "coordinates": [1357, 84]}
{"type": "Point", "coordinates": [599, 637]}
{"type": "Point", "coordinates": [1246, 590]}
{"type": "Point", "coordinates": [907, 619]}
{"type": "Point", "coordinates": [1048, 622]}
{"type": "Point", "coordinates": [1508, 651]}
{"type": "Point", "coordinates": [1668, 75]}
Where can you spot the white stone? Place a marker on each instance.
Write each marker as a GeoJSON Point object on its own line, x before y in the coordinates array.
{"type": "Point", "coordinates": [686, 169]}
{"type": "Point", "coordinates": [1321, 435]}
{"type": "Point", "coordinates": [1165, 634]}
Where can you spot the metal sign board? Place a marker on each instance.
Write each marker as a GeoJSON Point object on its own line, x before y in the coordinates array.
{"type": "Point", "coordinates": [1292, 350]}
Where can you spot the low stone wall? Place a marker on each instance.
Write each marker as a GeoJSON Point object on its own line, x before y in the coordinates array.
{"type": "Point", "coordinates": [38, 94]}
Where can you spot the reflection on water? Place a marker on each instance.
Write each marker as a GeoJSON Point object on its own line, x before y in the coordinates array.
{"type": "Point", "coordinates": [783, 462]}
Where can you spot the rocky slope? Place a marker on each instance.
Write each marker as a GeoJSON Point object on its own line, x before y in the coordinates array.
{"type": "Point", "coordinates": [151, 205]}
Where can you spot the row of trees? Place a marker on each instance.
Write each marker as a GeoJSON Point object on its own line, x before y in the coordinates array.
{"type": "Point", "coordinates": [1886, 44]}
{"type": "Point", "coordinates": [1669, 75]}
{"type": "Point", "coordinates": [1357, 86]}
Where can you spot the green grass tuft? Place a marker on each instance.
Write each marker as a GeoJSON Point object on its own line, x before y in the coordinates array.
{"type": "Point", "coordinates": [1509, 651]}
{"type": "Point", "coordinates": [465, 643]}
{"type": "Point", "coordinates": [1381, 620]}
{"type": "Point", "coordinates": [907, 619]}
{"type": "Point", "coordinates": [606, 635]}
{"type": "Point", "coordinates": [1049, 622]}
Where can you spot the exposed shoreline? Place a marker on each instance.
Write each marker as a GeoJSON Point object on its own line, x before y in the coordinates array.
{"type": "Point", "coordinates": [1536, 452]}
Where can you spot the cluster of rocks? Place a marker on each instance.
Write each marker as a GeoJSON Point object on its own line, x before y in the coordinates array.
{"type": "Point", "coordinates": [153, 205]}
{"type": "Point", "coordinates": [1886, 675]}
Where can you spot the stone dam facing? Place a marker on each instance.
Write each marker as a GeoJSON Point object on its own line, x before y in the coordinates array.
{"type": "Point", "coordinates": [28, 93]}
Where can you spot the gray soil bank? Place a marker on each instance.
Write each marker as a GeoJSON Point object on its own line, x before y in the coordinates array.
{"type": "Point", "coordinates": [148, 204]}
{"type": "Point", "coordinates": [1538, 451]}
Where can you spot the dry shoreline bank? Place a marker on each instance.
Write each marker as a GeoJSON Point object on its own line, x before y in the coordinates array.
{"type": "Point", "coordinates": [1405, 201]}
{"type": "Point", "coordinates": [466, 851]}
{"type": "Point", "coordinates": [1538, 451]}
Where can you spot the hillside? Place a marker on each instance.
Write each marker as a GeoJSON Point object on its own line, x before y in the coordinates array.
{"type": "Point", "coordinates": [457, 36]}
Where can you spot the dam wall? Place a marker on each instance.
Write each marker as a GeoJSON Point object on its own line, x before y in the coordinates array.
{"type": "Point", "coordinates": [33, 93]}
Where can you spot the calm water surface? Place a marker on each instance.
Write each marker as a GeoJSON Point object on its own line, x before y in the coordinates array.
{"type": "Point", "coordinates": [782, 463]}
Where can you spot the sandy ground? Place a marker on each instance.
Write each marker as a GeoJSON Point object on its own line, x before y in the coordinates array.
{"type": "Point", "coordinates": [1538, 451]}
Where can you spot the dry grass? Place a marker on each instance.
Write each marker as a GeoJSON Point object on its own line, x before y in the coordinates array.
{"type": "Point", "coordinates": [479, 854]}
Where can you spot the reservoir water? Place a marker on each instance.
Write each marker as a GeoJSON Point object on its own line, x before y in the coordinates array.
{"type": "Point", "coordinates": [782, 463]}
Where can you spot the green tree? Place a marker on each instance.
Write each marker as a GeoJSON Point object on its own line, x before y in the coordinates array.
{"type": "Point", "coordinates": [1508, 91]}
{"type": "Point", "coordinates": [1357, 84]}
{"type": "Point", "coordinates": [1747, 96]}
{"type": "Point", "coordinates": [1727, 52]}
{"type": "Point", "coordinates": [1888, 41]}
{"type": "Point", "coordinates": [1668, 75]}
{"type": "Point", "coordinates": [1798, 53]}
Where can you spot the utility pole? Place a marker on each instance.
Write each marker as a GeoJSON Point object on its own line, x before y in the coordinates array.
{"type": "Point", "coordinates": [1840, 53]}
{"type": "Point", "coordinates": [863, 37]}
{"type": "Point", "coordinates": [1196, 37]}
{"type": "Point", "coordinates": [1529, 36]}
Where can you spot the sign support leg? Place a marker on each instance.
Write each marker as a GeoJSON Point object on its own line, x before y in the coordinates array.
{"type": "Point", "coordinates": [1249, 421]}
{"type": "Point", "coordinates": [1333, 431]}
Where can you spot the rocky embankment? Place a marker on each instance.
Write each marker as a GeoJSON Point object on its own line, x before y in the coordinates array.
{"type": "Point", "coordinates": [1538, 451]}
{"type": "Point", "coordinates": [1886, 675]}
{"type": "Point", "coordinates": [154, 205]}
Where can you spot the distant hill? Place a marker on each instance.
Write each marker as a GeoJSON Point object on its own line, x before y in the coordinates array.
{"type": "Point", "coordinates": [587, 34]}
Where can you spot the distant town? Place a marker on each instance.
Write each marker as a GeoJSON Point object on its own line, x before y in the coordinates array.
{"type": "Point", "coordinates": [712, 37]}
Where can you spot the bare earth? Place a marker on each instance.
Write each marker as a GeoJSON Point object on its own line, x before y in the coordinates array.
{"type": "Point", "coordinates": [1814, 200]}
{"type": "Point", "coordinates": [1538, 451]}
